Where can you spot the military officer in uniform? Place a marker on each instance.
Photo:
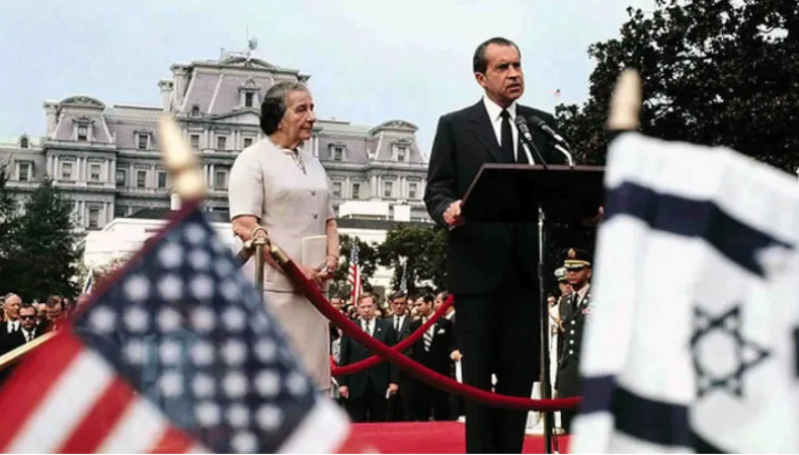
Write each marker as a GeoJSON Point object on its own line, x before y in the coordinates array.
{"type": "Point", "coordinates": [578, 309]}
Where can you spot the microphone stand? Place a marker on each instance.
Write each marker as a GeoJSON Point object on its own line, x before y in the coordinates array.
{"type": "Point", "coordinates": [549, 417]}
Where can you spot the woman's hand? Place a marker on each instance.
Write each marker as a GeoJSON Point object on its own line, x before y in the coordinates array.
{"type": "Point", "coordinates": [331, 263]}
{"type": "Point", "coordinates": [313, 276]}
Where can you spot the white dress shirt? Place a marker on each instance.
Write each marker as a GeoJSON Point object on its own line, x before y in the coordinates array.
{"type": "Point", "coordinates": [12, 326]}
{"type": "Point", "coordinates": [495, 115]}
{"type": "Point", "coordinates": [28, 335]}
{"type": "Point", "coordinates": [401, 322]}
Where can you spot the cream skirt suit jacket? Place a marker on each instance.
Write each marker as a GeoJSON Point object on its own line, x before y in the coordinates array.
{"type": "Point", "coordinates": [292, 201]}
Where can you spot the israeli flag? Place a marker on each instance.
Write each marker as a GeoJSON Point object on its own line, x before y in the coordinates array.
{"type": "Point", "coordinates": [693, 344]}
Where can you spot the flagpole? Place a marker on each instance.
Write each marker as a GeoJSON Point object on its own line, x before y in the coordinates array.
{"type": "Point", "coordinates": [11, 357]}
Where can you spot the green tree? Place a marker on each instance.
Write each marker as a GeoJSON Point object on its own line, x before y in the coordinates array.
{"type": "Point", "coordinates": [423, 248]}
{"type": "Point", "coordinates": [8, 223]}
{"type": "Point", "coordinates": [45, 250]}
{"type": "Point", "coordinates": [714, 72]}
{"type": "Point", "coordinates": [367, 258]}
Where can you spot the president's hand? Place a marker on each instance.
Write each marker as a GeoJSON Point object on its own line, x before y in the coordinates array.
{"type": "Point", "coordinates": [452, 216]}
{"type": "Point", "coordinates": [592, 222]}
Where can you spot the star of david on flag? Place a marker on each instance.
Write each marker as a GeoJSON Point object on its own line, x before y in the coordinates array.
{"type": "Point", "coordinates": [176, 353]}
{"type": "Point", "coordinates": [692, 346]}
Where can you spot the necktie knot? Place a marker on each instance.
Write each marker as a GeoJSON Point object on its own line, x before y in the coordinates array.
{"type": "Point", "coordinates": [505, 114]}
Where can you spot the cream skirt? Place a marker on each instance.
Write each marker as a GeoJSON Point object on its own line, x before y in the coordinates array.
{"type": "Point", "coordinates": [308, 332]}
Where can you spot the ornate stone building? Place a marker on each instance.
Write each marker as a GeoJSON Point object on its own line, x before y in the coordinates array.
{"type": "Point", "coordinates": [107, 158]}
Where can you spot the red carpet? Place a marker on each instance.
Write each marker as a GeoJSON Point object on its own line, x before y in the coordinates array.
{"type": "Point", "coordinates": [428, 437]}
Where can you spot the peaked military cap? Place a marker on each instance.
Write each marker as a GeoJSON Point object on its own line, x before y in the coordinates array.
{"type": "Point", "coordinates": [577, 259]}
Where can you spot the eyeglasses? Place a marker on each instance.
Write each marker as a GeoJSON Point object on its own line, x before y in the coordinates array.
{"type": "Point", "coordinates": [27, 317]}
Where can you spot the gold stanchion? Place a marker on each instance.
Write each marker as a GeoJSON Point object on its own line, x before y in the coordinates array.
{"type": "Point", "coordinates": [260, 240]}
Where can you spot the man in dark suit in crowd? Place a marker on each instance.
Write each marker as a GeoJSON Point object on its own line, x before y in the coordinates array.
{"type": "Point", "coordinates": [490, 266]}
{"type": "Point", "coordinates": [433, 351]}
{"type": "Point", "coordinates": [401, 404]}
{"type": "Point", "coordinates": [367, 392]}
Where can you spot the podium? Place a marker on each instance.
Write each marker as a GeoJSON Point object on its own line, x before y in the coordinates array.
{"type": "Point", "coordinates": [521, 193]}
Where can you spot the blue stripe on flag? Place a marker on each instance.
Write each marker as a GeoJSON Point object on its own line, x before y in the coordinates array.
{"type": "Point", "coordinates": [597, 394]}
{"type": "Point", "coordinates": [656, 422]}
{"type": "Point", "coordinates": [692, 218]}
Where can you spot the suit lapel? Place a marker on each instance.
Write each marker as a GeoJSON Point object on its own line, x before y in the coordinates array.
{"type": "Point", "coordinates": [482, 129]}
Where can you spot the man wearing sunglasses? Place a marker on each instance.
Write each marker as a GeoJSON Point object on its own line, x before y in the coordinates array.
{"type": "Point", "coordinates": [578, 308]}
{"type": "Point", "coordinates": [27, 331]}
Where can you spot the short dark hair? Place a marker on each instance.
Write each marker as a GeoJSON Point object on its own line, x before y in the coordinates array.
{"type": "Point", "coordinates": [28, 306]}
{"type": "Point", "coordinates": [397, 295]}
{"type": "Point", "coordinates": [444, 295]}
{"type": "Point", "coordinates": [54, 300]}
{"type": "Point", "coordinates": [273, 107]}
{"type": "Point", "coordinates": [480, 63]}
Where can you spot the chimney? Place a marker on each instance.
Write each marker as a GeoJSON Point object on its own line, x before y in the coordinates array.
{"type": "Point", "coordinates": [180, 77]}
{"type": "Point", "coordinates": [166, 87]}
{"type": "Point", "coordinates": [174, 201]}
{"type": "Point", "coordinates": [51, 112]}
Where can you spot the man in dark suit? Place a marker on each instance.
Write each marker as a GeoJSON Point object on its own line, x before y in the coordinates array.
{"type": "Point", "coordinates": [27, 331]}
{"type": "Point", "coordinates": [367, 392]}
{"type": "Point", "coordinates": [490, 266]}
{"type": "Point", "coordinates": [401, 404]}
{"type": "Point", "coordinates": [578, 272]}
{"type": "Point", "coordinates": [433, 350]}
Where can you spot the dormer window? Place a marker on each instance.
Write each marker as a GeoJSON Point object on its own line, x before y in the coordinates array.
{"type": "Point", "coordinates": [23, 142]}
{"type": "Point", "coordinates": [83, 133]}
{"type": "Point", "coordinates": [401, 151]}
{"type": "Point", "coordinates": [195, 111]}
{"type": "Point", "coordinates": [82, 129]}
{"type": "Point", "coordinates": [142, 141]}
{"type": "Point", "coordinates": [248, 94]}
{"type": "Point", "coordinates": [338, 153]}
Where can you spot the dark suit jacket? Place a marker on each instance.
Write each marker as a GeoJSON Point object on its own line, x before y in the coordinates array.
{"type": "Point", "coordinates": [16, 339]}
{"type": "Point", "coordinates": [380, 375]}
{"type": "Point", "coordinates": [437, 359]}
{"type": "Point", "coordinates": [478, 253]}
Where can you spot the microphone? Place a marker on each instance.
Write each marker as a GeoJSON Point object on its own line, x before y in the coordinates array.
{"type": "Point", "coordinates": [542, 125]}
{"type": "Point", "coordinates": [527, 138]}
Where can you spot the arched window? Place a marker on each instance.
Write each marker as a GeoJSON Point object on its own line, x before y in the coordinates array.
{"type": "Point", "coordinates": [195, 111]}
{"type": "Point", "coordinates": [23, 143]}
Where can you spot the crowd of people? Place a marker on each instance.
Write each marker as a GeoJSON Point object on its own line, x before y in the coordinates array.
{"type": "Point", "coordinates": [385, 393]}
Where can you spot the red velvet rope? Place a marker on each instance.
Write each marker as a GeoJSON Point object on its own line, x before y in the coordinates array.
{"type": "Point", "coordinates": [420, 372]}
{"type": "Point", "coordinates": [399, 347]}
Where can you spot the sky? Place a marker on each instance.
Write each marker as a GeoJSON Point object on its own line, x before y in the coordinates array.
{"type": "Point", "coordinates": [370, 60]}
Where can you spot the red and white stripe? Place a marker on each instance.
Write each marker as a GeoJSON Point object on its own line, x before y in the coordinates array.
{"type": "Point", "coordinates": [65, 398]}
{"type": "Point", "coordinates": [355, 282]}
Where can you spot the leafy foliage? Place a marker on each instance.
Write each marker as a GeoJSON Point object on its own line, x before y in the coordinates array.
{"type": "Point", "coordinates": [425, 250]}
{"type": "Point", "coordinates": [42, 252]}
{"type": "Point", "coordinates": [8, 222]}
{"type": "Point", "coordinates": [367, 257]}
{"type": "Point", "coordinates": [715, 72]}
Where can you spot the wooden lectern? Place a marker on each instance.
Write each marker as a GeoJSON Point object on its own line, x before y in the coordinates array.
{"type": "Point", "coordinates": [553, 194]}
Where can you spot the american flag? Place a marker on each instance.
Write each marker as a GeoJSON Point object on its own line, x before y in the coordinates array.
{"type": "Point", "coordinates": [176, 353]}
{"type": "Point", "coordinates": [89, 283]}
{"type": "Point", "coordinates": [355, 274]}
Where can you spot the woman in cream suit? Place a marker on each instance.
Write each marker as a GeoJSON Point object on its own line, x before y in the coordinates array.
{"type": "Point", "coordinates": [279, 186]}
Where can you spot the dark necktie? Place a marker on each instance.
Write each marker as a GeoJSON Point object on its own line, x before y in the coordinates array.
{"type": "Point", "coordinates": [396, 323]}
{"type": "Point", "coordinates": [507, 138]}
